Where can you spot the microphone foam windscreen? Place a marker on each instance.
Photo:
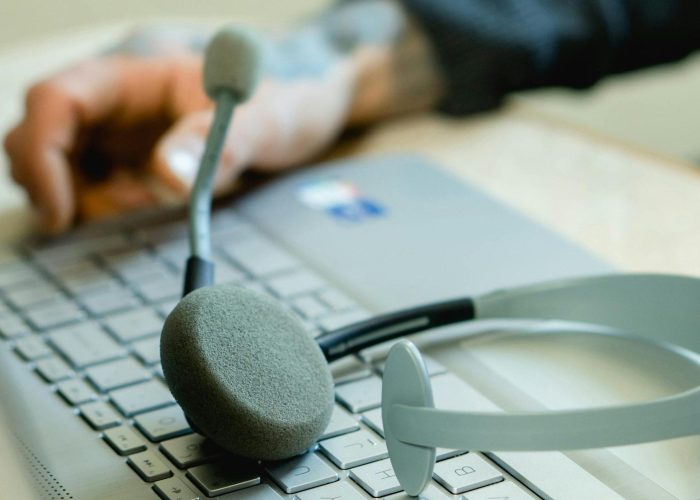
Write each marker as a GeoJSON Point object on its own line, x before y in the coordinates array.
{"type": "Point", "coordinates": [246, 372]}
{"type": "Point", "coordinates": [232, 62]}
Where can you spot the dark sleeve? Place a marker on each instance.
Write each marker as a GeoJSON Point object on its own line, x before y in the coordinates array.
{"type": "Point", "coordinates": [488, 48]}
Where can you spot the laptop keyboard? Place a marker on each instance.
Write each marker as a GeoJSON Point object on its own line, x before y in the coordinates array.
{"type": "Point", "coordinates": [86, 316]}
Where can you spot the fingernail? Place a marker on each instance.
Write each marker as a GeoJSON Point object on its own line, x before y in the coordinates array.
{"type": "Point", "coordinates": [182, 156]}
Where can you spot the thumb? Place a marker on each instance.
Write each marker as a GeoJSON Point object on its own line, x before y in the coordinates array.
{"type": "Point", "coordinates": [176, 156]}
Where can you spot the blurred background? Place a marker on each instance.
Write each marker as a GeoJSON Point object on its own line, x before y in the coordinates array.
{"type": "Point", "coordinates": [656, 109]}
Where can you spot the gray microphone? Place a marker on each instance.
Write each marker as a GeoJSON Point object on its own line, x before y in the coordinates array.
{"type": "Point", "coordinates": [244, 370]}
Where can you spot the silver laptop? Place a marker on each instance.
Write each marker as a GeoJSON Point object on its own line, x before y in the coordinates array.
{"type": "Point", "coordinates": [88, 415]}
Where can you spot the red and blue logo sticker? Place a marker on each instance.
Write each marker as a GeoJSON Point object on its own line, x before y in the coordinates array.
{"type": "Point", "coordinates": [340, 199]}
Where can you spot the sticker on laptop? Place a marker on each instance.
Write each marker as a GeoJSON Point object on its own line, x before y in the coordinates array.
{"type": "Point", "coordinates": [340, 199]}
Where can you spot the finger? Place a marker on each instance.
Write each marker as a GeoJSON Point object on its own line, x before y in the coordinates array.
{"type": "Point", "coordinates": [177, 155]}
{"type": "Point", "coordinates": [122, 90]}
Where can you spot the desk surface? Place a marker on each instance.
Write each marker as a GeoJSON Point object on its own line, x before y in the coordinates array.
{"type": "Point", "coordinates": [634, 208]}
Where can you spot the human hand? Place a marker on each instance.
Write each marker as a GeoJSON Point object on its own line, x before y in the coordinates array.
{"type": "Point", "coordinates": [126, 130]}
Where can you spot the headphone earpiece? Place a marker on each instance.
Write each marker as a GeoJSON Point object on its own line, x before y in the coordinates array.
{"type": "Point", "coordinates": [246, 372]}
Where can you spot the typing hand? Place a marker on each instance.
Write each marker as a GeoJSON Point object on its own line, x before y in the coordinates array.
{"type": "Point", "coordinates": [125, 130]}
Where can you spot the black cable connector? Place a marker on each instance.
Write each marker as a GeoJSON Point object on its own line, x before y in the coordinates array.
{"type": "Point", "coordinates": [198, 273]}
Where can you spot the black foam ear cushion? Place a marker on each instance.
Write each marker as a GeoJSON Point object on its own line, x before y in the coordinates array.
{"type": "Point", "coordinates": [246, 372]}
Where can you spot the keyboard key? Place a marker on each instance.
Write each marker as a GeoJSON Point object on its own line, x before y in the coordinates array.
{"type": "Point", "coordinates": [341, 423]}
{"type": "Point", "coordinates": [31, 348]}
{"type": "Point", "coordinates": [260, 492]}
{"type": "Point", "coordinates": [361, 395]}
{"type": "Point", "coordinates": [149, 466]}
{"type": "Point", "coordinates": [301, 473]}
{"type": "Point", "coordinates": [336, 300]}
{"type": "Point", "coordinates": [189, 450]}
{"type": "Point", "coordinates": [52, 314]}
{"type": "Point", "coordinates": [124, 440]}
{"type": "Point", "coordinates": [134, 324]}
{"type": "Point", "coordinates": [505, 490]}
{"type": "Point", "coordinates": [165, 308]}
{"type": "Point", "coordinates": [226, 273]}
{"type": "Point", "coordinates": [309, 307]}
{"type": "Point", "coordinates": [142, 397]}
{"type": "Point", "coordinates": [114, 374]}
{"type": "Point", "coordinates": [148, 350]}
{"type": "Point", "coordinates": [295, 283]}
{"type": "Point", "coordinates": [75, 391]}
{"type": "Point", "coordinates": [377, 479]}
{"type": "Point", "coordinates": [109, 301]}
{"type": "Point", "coordinates": [16, 273]}
{"type": "Point", "coordinates": [54, 369]}
{"type": "Point", "coordinates": [465, 473]}
{"type": "Point", "coordinates": [340, 490]}
{"type": "Point", "coordinates": [356, 448]}
{"type": "Point", "coordinates": [135, 265]}
{"type": "Point", "coordinates": [99, 415]}
{"type": "Point", "coordinates": [30, 294]}
{"type": "Point", "coordinates": [431, 492]}
{"type": "Point", "coordinates": [260, 257]}
{"type": "Point", "coordinates": [348, 369]}
{"type": "Point", "coordinates": [160, 287]}
{"type": "Point", "coordinates": [223, 477]}
{"type": "Point", "coordinates": [85, 277]}
{"type": "Point", "coordinates": [12, 326]}
{"type": "Point", "coordinates": [174, 489]}
{"type": "Point", "coordinates": [85, 344]}
{"type": "Point", "coordinates": [341, 319]}
{"type": "Point", "coordinates": [163, 424]}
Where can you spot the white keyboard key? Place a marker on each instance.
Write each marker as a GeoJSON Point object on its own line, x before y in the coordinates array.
{"type": "Point", "coordinates": [149, 466]}
{"type": "Point", "coordinates": [226, 273]}
{"type": "Point", "coordinates": [260, 257]}
{"type": "Point", "coordinates": [356, 448]}
{"type": "Point", "coordinates": [378, 479]}
{"type": "Point", "coordinates": [160, 287]}
{"type": "Point", "coordinates": [301, 473]}
{"type": "Point", "coordinates": [134, 324]}
{"type": "Point", "coordinates": [141, 398]}
{"type": "Point", "coordinates": [309, 307]}
{"type": "Point", "coordinates": [124, 440]}
{"type": "Point", "coordinates": [99, 415]}
{"type": "Point", "coordinates": [36, 292]}
{"type": "Point", "coordinates": [336, 300]}
{"type": "Point", "coordinates": [505, 490]}
{"type": "Point", "coordinates": [53, 314]}
{"type": "Point", "coordinates": [189, 450]}
{"type": "Point", "coordinates": [53, 369]}
{"type": "Point", "coordinates": [260, 492]}
{"type": "Point", "coordinates": [340, 490]}
{"type": "Point", "coordinates": [223, 477]}
{"type": "Point", "coordinates": [174, 489]}
{"type": "Point", "coordinates": [163, 424]}
{"type": "Point", "coordinates": [12, 326]}
{"type": "Point", "coordinates": [361, 395]}
{"type": "Point", "coordinates": [431, 492]}
{"type": "Point", "coordinates": [112, 375]}
{"type": "Point", "coordinates": [465, 473]}
{"type": "Point", "coordinates": [85, 344]}
{"type": "Point", "coordinates": [16, 273]}
{"type": "Point", "coordinates": [341, 319]}
{"type": "Point", "coordinates": [75, 391]}
{"type": "Point", "coordinates": [348, 369]}
{"type": "Point", "coordinates": [165, 308]}
{"type": "Point", "coordinates": [341, 423]}
{"type": "Point", "coordinates": [31, 348]}
{"type": "Point", "coordinates": [148, 350]}
{"type": "Point", "coordinates": [109, 301]}
{"type": "Point", "coordinates": [298, 282]}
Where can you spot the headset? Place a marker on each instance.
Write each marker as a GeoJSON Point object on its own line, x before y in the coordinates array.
{"type": "Point", "coordinates": [249, 376]}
